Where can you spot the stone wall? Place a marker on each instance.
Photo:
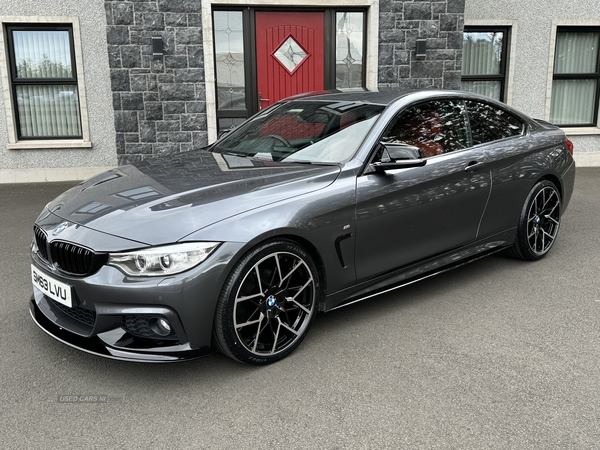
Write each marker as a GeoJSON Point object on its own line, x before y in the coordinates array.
{"type": "Point", "coordinates": [401, 24]}
{"type": "Point", "coordinates": [159, 101]}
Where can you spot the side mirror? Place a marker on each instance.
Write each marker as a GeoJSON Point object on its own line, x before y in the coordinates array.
{"type": "Point", "coordinates": [398, 156]}
{"type": "Point", "coordinates": [224, 133]}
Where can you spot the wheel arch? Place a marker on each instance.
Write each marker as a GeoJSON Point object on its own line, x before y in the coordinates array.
{"type": "Point", "coordinates": [554, 180]}
{"type": "Point", "coordinates": [317, 259]}
{"type": "Point", "coordinates": [311, 249]}
{"type": "Point", "coordinates": [293, 236]}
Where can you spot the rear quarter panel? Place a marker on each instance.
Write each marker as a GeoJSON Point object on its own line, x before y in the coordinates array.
{"type": "Point", "coordinates": [516, 165]}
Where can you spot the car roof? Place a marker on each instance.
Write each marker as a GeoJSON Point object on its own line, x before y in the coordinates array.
{"type": "Point", "coordinates": [384, 96]}
{"type": "Point", "coordinates": [387, 95]}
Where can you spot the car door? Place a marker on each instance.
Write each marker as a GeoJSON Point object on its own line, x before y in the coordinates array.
{"type": "Point", "coordinates": [501, 136]}
{"type": "Point", "coordinates": [410, 214]}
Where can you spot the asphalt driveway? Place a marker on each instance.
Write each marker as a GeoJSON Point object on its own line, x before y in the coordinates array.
{"type": "Point", "coordinates": [497, 354]}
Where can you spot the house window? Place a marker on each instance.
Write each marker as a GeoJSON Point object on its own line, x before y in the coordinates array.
{"type": "Point", "coordinates": [230, 60]}
{"type": "Point", "coordinates": [575, 90]}
{"type": "Point", "coordinates": [349, 49]}
{"type": "Point", "coordinates": [43, 80]}
{"type": "Point", "coordinates": [484, 61]}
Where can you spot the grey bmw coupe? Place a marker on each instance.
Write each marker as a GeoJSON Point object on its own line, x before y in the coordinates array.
{"type": "Point", "coordinates": [312, 204]}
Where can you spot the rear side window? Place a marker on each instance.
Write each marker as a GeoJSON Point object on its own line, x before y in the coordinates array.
{"type": "Point", "coordinates": [489, 123]}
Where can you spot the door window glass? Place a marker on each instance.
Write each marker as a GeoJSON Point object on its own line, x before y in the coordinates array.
{"type": "Point", "coordinates": [435, 127]}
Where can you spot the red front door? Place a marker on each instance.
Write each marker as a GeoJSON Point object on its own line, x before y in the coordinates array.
{"type": "Point", "coordinates": [289, 54]}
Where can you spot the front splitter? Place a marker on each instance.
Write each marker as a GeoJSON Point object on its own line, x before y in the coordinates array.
{"type": "Point", "coordinates": [96, 346]}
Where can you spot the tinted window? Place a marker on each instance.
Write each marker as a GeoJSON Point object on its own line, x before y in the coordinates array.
{"type": "Point", "coordinates": [489, 123]}
{"type": "Point", "coordinates": [436, 127]}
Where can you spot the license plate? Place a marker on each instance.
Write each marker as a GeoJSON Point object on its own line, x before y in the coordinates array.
{"type": "Point", "coordinates": [54, 289]}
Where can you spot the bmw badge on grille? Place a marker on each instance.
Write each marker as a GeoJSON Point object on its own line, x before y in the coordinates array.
{"type": "Point", "coordinates": [62, 227]}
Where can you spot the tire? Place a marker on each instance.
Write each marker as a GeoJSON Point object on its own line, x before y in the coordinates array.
{"type": "Point", "coordinates": [267, 304]}
{"type": "Point", "coordinates": [538, 224]}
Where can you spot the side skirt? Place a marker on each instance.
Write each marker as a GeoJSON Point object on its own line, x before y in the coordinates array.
{"type": "Point", "coordinates": [419, 271]}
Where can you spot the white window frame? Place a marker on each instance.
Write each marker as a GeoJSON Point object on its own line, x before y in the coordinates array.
{"type": "Point", "coordinates": [207, 37]}
{"type": "Point", "coordinates": [7, 96]}
{"type": "Point", "coordinates": [571, 131]}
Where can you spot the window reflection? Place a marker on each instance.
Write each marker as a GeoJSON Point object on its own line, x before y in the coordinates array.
{"type": "Point", "coordinates": [302, 130]}
{"type": "Point", "coordinates": [42, 54]}
{"type": "Point", "coordinates": [92, 208]}
{"type": "Point", "coordinates": [491, 124]}
{"type": "Point", "coordinates": [139, 193]}
{"type": "Point", "coordinates": [435, 127]}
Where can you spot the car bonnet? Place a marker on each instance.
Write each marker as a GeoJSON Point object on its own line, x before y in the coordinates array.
{"type": "Point", "coordinates": [161, 200]}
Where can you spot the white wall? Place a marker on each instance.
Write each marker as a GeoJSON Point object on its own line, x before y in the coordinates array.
{"type": "Point", "coordinates": [531, 64]}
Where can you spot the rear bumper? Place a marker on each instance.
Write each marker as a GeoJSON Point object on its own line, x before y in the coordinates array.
{"type": "Point", "coordinates": [107, 344]}
{"type": "Point", "coordinates": [568, 185]}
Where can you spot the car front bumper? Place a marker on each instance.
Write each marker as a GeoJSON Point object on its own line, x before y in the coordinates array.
{"type": "Point", "coordinates": [111, 312]}
{"type": "Point", "coordinates": [107, 344]}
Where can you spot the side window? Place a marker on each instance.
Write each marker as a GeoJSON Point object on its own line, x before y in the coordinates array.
{"type": "Point", "coordinates": [44, 81]}
{"type": "Point", "coordinates": [436, 127]}
{"type": "Point", "coordinates": [489, 123]}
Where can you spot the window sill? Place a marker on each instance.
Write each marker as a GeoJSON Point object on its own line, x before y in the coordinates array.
{"type": "Point", "coordinates": [49, 144]}
{"type": "Point", "coordinates": [581, 131]}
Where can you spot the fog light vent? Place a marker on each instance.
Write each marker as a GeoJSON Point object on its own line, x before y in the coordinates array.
{"type": "Point", "coordinates": [148, 327]}
{"type": "Point", "coordinates": [160, 326]}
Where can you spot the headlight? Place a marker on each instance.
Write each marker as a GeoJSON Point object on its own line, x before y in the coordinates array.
{"type": "Point", "coordinates": [160, 261]}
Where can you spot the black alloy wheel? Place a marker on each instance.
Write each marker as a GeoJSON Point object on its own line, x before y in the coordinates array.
{"type": "Point", "coordinates": [267, 304]}
{"type": "Point", "coordinates": [539, 222]}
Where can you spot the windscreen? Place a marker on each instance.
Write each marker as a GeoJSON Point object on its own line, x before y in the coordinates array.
{"type": "Point", "coordinates": [303, 131]}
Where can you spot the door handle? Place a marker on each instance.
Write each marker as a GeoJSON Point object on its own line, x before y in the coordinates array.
{"type": "Point", "coordinates": [260, 100]}
{"type": "Point", "coordinates": [474, 166]}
